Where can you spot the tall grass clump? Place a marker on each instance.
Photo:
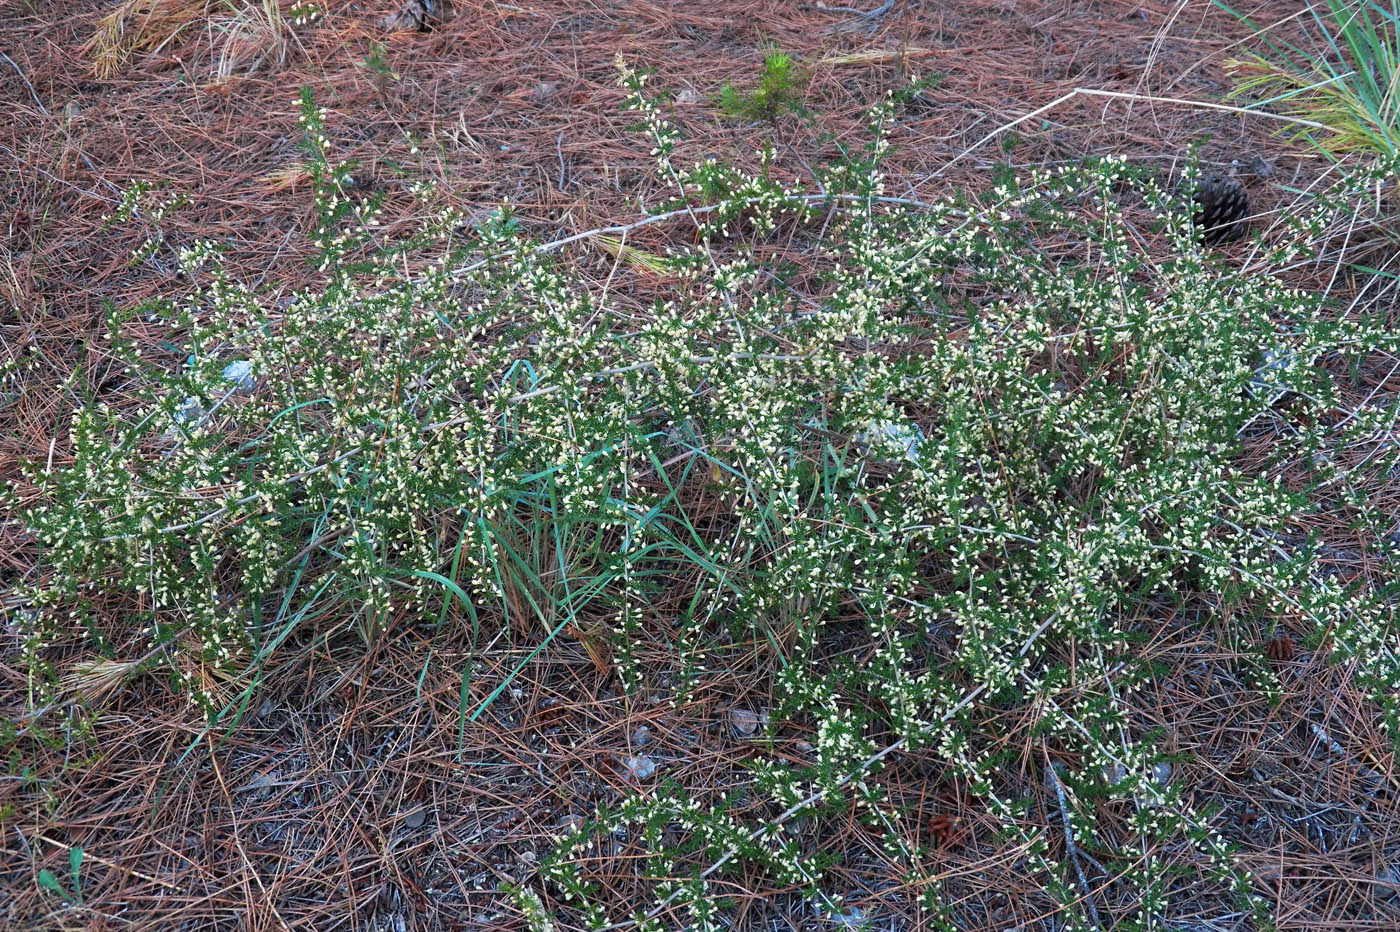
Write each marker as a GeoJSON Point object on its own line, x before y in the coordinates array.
{"type": "Point", "coordinates": [1352, 86]}
{"type": "Point", "coordinates": [949, 473]}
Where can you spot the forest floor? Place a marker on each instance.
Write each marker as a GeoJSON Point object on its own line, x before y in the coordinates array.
{"type": "Point", "coordinates": [348, 799]}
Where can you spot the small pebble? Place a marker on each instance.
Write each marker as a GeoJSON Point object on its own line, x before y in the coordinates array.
{"type": "Point", "coordinates": [240, 373]}
{"type": "Point", "coordinates": [743, 721]}
{"type": "Point", "coordinates": [640, 766]}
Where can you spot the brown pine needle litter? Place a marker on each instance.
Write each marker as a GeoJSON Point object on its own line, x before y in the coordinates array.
{"type": "Point", "coordinates": [297, 817]}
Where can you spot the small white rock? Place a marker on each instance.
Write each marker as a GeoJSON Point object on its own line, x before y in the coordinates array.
{"type": "Point", "coordinates": [743, 721]}
{"type": "Point", "coordinates": [189, 411]}
{"type": "Point", "coordinates": [639, 767]}
{"type": "Point", "coordinates": [240, 373]}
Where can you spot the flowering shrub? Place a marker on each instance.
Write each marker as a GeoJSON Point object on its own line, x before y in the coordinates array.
{"type": "Point", "coordinates": [959, 463]}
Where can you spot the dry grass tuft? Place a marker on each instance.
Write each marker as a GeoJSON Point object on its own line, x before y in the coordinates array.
{"type": "Point", "coordinates": [242, 37]}
{"type": "Point", "coordinates": [138, 26]}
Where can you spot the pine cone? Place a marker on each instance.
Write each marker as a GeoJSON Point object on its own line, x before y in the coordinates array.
{"type": "Point", "coordinates": [1279, 649]}
{"type": "Point", "coordinates": [1222, 207]}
